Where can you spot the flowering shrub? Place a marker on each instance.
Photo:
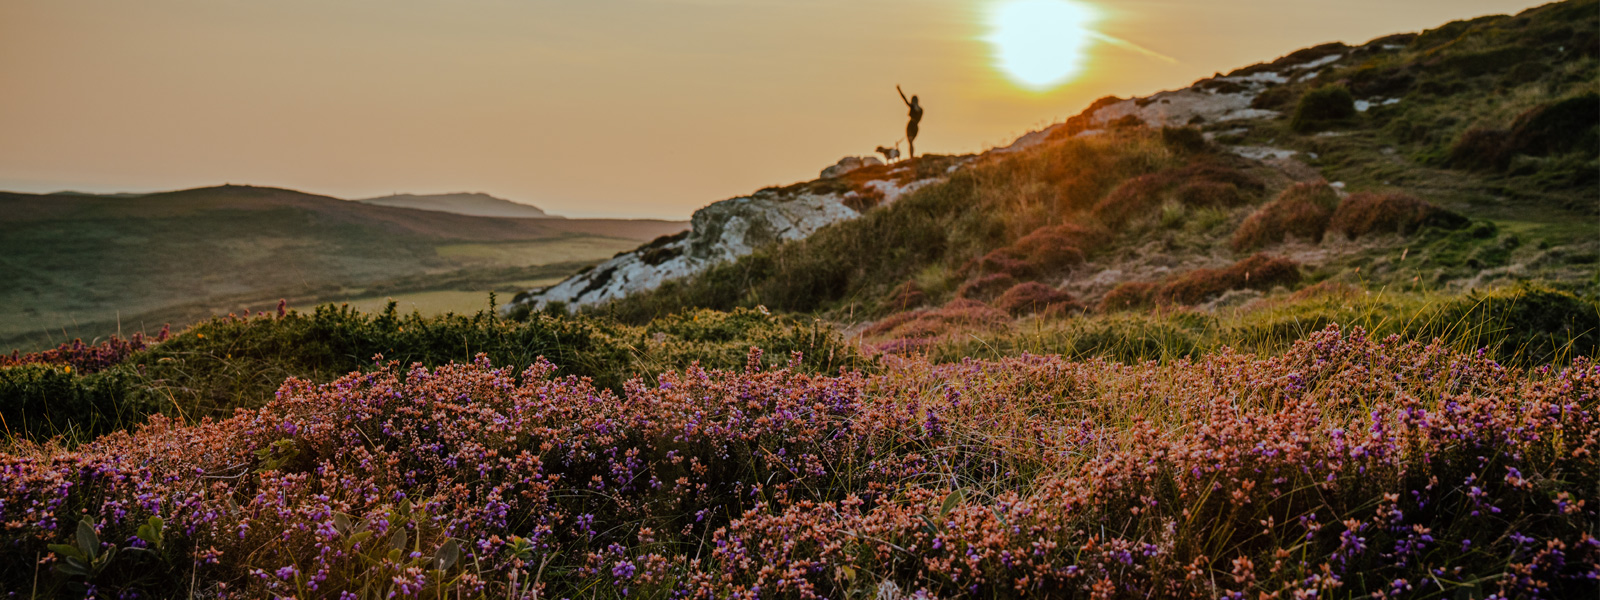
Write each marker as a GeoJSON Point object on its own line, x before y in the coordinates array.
{"type": "Point", "coordinates": [232, 362]}
{"type": "Point", "coordinates": [84, 357]}
{"type": "Point", "coordinates": [1346, 467]}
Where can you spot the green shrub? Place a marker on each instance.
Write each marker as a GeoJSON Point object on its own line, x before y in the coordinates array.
{"type": "Point", "coordinates": [41, 401]}
{"type": "Point", "coordinates": [1564, 126]}
{"type": "Point", "coordinates": [1323, 108]}
{"type": "Point", "coordinates": [1184, 139]}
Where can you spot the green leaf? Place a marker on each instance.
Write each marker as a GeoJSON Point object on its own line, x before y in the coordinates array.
{"type": "Point", "coordinates": [341, 522]}
{"type": "Point", "coordinates": [447, 555]}
{"type": "Point", "coordinates": [67, 550]}
{"type": "Point", "coordinates": [360, 536]}
{"type": "Point", "coordinates": [105, 559]}
{"type": "Point", "coordinates": [951, 501]}
{"type": "Point", "coordinates": [88, 540]}
{"type": "Point", "coordinates": [398, 540]}
{"type": "Point", "coordinates": [72, 566]}
{"type": "Point", "coordinates": [152, 532]}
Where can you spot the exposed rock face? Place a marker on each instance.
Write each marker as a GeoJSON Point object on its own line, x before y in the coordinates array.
{"type": "Point", "coordinates": [725, 231]}
{"type": "Point", "coordinates": [720, 232]}
{"type": "Point", "coordinates": [848, 164]}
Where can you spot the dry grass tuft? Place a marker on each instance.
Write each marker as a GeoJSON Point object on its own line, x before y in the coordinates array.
{"type": "Point", "coordinates": [906, 296]}
{"type": "Point", "coordinates": [1259, 272]}
{"type": "Point", "coordinates": [1302, 210]}
{"type": "Point", "coordinates": [1132, 295]}
{"type": "Point", "coordinates": [985, 287]}
{"type": "Point", "coordinates": [1368, 212]}
{"type": "Point", "coordinates": [1204, 182]}
{"type": "Point", "coordinates": [1032, 297]}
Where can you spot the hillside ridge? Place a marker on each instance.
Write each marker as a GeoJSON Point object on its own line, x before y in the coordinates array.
{"type": "Point", "coordinates": [1401, 114]}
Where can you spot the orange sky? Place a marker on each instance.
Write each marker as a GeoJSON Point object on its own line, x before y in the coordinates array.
{"type": "Point", "coordinates": [619, 108]}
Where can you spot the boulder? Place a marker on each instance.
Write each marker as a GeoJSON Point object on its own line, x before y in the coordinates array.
{"type": "Point", "coordinates": [848, 164]}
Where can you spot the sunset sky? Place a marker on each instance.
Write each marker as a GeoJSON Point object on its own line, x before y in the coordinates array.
{"type": "Point", "coordinates": [615, 108]}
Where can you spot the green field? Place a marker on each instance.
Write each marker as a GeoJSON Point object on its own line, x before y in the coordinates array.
{"type": "Point", "coordinates": [87, 266]}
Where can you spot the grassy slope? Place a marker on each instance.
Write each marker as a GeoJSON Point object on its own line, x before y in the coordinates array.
{"type": "Point", "coordinates": [1534, 220]}
{"type": "Point", "coordinates": [76, 263]}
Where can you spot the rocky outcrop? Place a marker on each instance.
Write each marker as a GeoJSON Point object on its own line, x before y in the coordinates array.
{"type": "Point", "coordinates": [848, 164]}
{"type": "Point", "coordinates": [718, 233]}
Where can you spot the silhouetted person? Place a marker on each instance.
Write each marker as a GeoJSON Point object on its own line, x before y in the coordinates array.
{"type": "Point", "coordinates": [916, 117]}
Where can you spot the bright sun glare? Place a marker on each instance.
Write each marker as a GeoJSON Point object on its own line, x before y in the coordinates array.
{"type": "Point", "coordinates": [1039, 44]}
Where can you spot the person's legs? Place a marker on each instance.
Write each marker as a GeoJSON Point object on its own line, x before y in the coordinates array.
{"type": "Point", "coordinates": [911, 137]}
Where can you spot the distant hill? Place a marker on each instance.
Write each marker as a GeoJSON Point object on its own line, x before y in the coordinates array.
{"type": "Point", "coordinates": [475, 204]}
{"type": "Point", "coordinates": [73, 265]}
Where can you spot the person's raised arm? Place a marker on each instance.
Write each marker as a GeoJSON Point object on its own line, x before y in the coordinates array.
{"type": "Point", "coordinates": [902, 95]}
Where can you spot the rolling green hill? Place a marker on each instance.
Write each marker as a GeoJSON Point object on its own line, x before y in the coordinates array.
{"type": "Point", "coordinates": [86, 266]}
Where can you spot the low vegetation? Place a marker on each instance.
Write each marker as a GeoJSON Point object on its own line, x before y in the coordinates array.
{"type": "Point", "coordinates": [1348, 466]}
{"type": "Point", "coordinates": [1128, 365]}
{"type": "Point", "coordinates": [215, 367]}
{"type": "Point", "coordinates": [1301, 211]}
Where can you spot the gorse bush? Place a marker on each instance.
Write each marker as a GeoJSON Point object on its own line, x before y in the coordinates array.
{"type": "Point", "coordinates": [1347, 467]}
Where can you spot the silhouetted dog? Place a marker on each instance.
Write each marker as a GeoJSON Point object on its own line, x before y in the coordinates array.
{"type": "Point", "coordinates": [889, 154]}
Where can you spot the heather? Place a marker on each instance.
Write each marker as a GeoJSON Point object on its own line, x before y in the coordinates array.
{"type": "Point", "coordinates": [87, 358]}
{"type": "Point", "coordinates": [1345, 467]}
{"type": "Point", "coordinates": [238, 361]}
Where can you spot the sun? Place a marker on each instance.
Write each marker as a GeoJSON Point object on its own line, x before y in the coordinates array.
{"type": "Point", "coordinates": [1039, 44]}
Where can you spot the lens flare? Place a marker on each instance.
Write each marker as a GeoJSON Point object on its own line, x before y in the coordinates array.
{"type": "Point", "coordinates": [1039, 44]}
